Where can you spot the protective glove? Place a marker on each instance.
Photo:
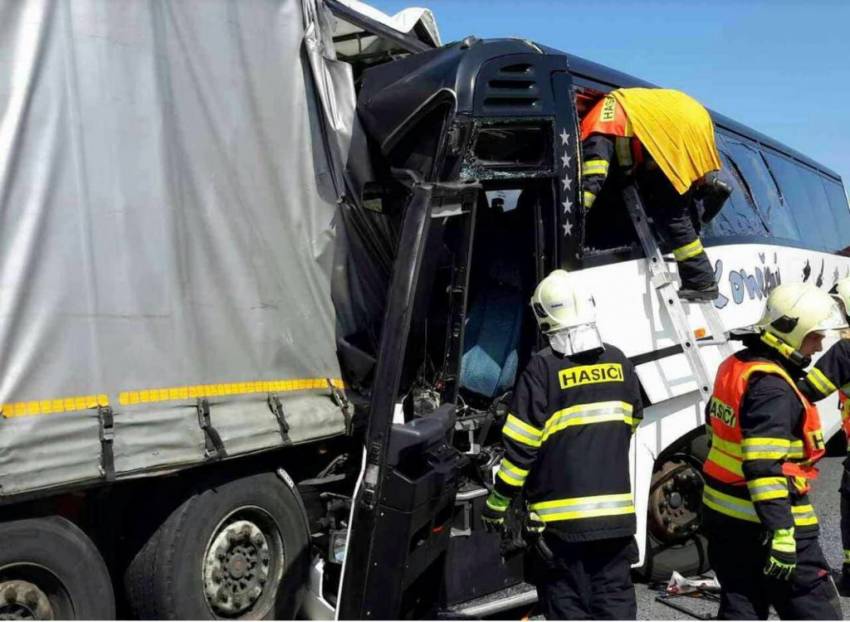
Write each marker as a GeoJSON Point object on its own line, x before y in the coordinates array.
{"type": "Point", "coordinates": [534, 525]}
{"type": "Point", "coordinates": [493, 515]}
{"type": "Point", "coordinates": [782, 559]}
{"type": "Point", "coordinates": [534, 528]}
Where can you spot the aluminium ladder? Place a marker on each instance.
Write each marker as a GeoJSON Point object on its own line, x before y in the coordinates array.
{"type": "Point", "coordinates": [667, 287]}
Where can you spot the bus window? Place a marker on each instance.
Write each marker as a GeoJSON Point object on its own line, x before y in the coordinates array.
{"type": "Point", "coordinates": [763, 189]}
{"type": "Point", "coordinates": [738, 216]}
{"type": "Point", "coordinates": [840, 211]}
{"type": "Point", "coordinates": [807, 203]}
{"type": "Point", "coordinates": [820, 202]}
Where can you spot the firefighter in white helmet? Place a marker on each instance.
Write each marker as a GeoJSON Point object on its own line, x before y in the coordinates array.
{"type": "Point", "coordinates": [765, 439]}
{"type": "Point", "coordinates": [566, 441]}
{"type": "Point", "coordinates": [830, 374]}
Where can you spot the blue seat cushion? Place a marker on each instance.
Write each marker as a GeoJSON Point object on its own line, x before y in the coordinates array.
{"type": "Point", "coordinates": [489, 363]}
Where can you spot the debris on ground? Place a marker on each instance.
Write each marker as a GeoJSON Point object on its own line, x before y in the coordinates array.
{"type": "Point", "coordinates": [679, 585]}
{"type": "Point", "coordinates": [702, 587]}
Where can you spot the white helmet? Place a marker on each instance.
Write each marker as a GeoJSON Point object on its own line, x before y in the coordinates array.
{"type": "Point", "coordinates": [842, 293]}
{"type": "Point", "coordinates": [566, 314]}
{"type": "Point", "coordinates": [559, 302]}
{"type": "Point", "coordinates": [794, 310]}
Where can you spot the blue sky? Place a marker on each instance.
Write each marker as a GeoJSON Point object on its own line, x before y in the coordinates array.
{"type": "Point", "coordinates": [779, 66]}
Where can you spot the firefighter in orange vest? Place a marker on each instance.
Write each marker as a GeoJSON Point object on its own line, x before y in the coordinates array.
{"type": "Point", "coordinates": [765, 438]}
{"type": "Point", "coordinates": [612, 148]}
{"type": "Point", "coordinates": [830, 374]}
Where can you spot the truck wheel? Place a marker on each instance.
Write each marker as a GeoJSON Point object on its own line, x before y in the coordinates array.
{"type": "Point", "coordinates": [673, 539]}
{"type": "Point", "coordinates": [234, 550]}
{"type": "Point", "coordinates": [50, 570]}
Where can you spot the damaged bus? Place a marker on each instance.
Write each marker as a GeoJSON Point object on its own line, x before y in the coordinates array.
{"type": "Point", "coordinates": [266, 271]}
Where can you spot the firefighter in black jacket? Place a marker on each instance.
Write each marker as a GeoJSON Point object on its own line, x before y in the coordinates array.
{"type": "Point", "coordinates": [765, 438]}
{"type": "Point", "coordinates": [612, 148]}
{"type": "Point", "coordinates": [567, 446]}
{"type": "Point", "coordinates": [830, 374]}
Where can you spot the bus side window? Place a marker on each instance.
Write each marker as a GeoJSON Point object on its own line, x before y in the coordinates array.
{"type": "Point", "coordinates": [806, 201]}
{"type": "Point", "coordinates": [840, 211]}
{"type": "Point", "coordinates": [763, 189]}
{"type": "Point", "coordinates": [738, 216]}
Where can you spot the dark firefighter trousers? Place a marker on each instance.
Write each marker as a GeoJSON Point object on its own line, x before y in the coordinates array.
{"type": "Point", "coordinates": [587, 580]}
{"type": "Point", "coordinates": [747, 594]}
{"type": "Point", "coordinates": [672, 216]}
{"type": "Point", "coordinates": [845, 505]}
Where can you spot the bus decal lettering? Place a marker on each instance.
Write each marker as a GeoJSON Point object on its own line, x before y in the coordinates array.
{"type": "Point", "coordinates": [755, 283]}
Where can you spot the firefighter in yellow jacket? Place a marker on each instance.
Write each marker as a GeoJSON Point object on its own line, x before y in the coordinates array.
{"type": "Point", "coordinates": [765, 439]}
{"type": "Point", "coordinates": [664, 140]}
{"type": "Point", "coordinates": [566, 447]}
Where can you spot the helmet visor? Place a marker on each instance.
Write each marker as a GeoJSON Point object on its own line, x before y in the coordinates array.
{"type": "Point", "coordinates": [835, 321]}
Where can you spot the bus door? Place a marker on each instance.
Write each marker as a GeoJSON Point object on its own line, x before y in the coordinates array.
{"type": "Point", "coordinates": [404, 501]}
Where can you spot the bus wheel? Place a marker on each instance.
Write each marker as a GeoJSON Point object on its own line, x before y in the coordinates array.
{"type": "Point", "coordinates": [50, 570]}
{"type": "Point", "coordinates": [237, 550]}
{"type": "Point", "coordinates": [673, 539]}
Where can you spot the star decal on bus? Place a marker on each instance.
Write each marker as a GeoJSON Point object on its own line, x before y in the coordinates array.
{"type": "Point", "coordinates": [568, 183]}
{"type": "Point", "coordinates": [565, 138]}
{"type": "Point", "coordinates": [566, 159]}
{"type": "Point", "coordinates": [568, 205]}
{"type": "Point", "coordinates": [568, 228]}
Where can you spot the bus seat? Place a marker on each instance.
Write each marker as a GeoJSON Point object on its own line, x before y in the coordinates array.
{"type": "Point", "coordinates": [490, 359]}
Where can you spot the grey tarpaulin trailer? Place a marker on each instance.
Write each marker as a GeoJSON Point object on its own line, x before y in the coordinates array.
{"type": "Point", "coordinates": [170, 185]}
{"type": "Point", "coordinates": [169, 192]}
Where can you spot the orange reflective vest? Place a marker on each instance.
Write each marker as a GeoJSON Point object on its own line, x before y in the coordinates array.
{"type": "Point", "coordinates": [608, 117]}
{"type": "Point", "coordinates": [730, 387]}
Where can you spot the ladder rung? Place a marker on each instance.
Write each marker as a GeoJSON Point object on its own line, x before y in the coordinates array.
{"type": "Point", "coordinates": [712, 342]}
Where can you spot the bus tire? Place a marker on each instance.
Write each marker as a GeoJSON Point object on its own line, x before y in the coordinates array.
{"type": "Point", "coordinates": [238, 549]}
{"type": "Point", "coordinates": [688, 553]}
{"type": "Point", "coordinates": [688, 558]}
{"type": "Point", "coordinates": [50, 569]}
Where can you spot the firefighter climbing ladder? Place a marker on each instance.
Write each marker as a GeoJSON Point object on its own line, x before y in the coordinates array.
{"type": "Point", "coordinates": [665, 284]}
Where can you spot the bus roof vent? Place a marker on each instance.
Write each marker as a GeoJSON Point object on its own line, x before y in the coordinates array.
{"type": "Point", "coordinates": [512, 87]}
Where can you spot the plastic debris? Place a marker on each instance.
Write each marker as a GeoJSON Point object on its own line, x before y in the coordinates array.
{"type": "Point", "coordinates": [680, 585]}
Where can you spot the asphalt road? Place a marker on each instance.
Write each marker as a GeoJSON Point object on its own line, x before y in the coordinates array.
{"type": "Point", "coordinates": [826, 501]}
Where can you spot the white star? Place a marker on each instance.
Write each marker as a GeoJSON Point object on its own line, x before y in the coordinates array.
{"type": "Point", "coordinates": [568, 206]}
{"type": "Point", "coordinates": [566, 159]}
{"type": "Point", "coordinates": [565, 138]}
{"type": "Point", "coordinates": [567, 182]}
{"type": "Point", "coordinates": [568, 229]}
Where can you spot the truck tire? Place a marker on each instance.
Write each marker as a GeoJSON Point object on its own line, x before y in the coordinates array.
{"type": "Point", "coordinates": [236, 550]}
{"type": "Point", "coordinates": [51, 570]}
{"type": "Point", "coordinates": [667, 550]}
